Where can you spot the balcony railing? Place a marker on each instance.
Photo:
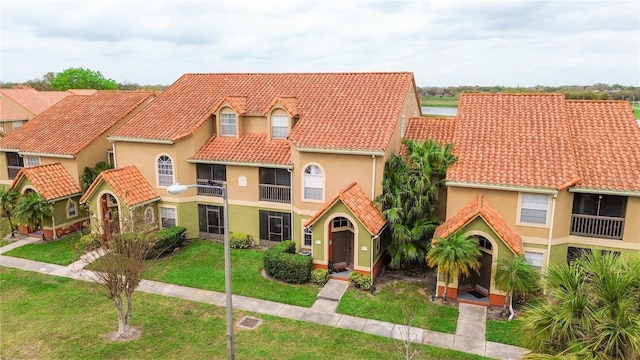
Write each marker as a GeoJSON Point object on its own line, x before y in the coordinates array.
{"type": "Point", "coordinates": [208, 191]}
{"type": "Point", "coordinates": [275, 193]}
{"type": "Point", "coordinates": [597, 226]}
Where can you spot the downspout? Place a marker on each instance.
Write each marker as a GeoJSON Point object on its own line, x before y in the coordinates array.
{"type": "Point", "coordinates": [553, 214]}
{"type": "Point", "coordinates": [113, 146]}
{"type": "Point", "coordinates": [292, 216]}
{"type": "Point", "coordinates": [373, 177]}
{"type": "Point", "coordinates": [53, 222]}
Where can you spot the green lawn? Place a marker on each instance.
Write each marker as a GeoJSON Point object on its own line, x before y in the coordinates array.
{"type": "Point", "coordinates": [201, 265]}
{"type": "Point", "coordinates": [47, 317]}
{"type": "Point", "coordinates": [61, 251]}
{"type": "Point", "coordinates": [440, 101]}
{"type": "Point", "coordinates": [505, 332]}
{"type": "Point", "coordinates": [5, 229]}
{"type": "Point", "coordinates": [389, 301]}
{"type": "Point", "coordinates": [5, 242]}
{"type": "Point", "coordinates": [636, 112]}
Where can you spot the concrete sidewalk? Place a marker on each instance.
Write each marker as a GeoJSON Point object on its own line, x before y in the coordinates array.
{"type": "Point", "coordinates": [469, 338]}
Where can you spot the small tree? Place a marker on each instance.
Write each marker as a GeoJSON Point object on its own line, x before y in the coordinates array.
{"type": "Point", "coordinates": [89, 174]}
{"type": "Point", "coordinates": [515, 276]}
{"type": "Point", "coordinates": [120, 271]}
{"type": "Point", "coordinates": [8, 200]}
{"type": "Point", "coordinates": [31, 210]}
{"type": "Point", "coordinates": [79, 78]}
{"type": "Point", "coordinates": [455, 255]}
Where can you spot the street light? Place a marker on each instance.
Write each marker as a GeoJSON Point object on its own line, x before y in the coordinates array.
{"type": "Point", "coordinates": [220, 185]}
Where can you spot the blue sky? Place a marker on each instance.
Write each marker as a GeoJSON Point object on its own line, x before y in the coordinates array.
{"type": "Point", "coordinates": [444, 43]}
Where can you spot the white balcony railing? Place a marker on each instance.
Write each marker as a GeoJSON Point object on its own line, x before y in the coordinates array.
{"type": "Point", "coordinates": [208, 191]}
{"type": "Point", "coordinates": [597, 226]}
{"type": "Point", "coordinates": [275, 193]}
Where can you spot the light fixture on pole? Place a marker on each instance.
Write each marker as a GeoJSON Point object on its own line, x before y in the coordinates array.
{"type": "Point", "coordinates": [220, 185]}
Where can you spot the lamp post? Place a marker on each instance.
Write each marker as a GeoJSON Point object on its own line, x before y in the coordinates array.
{"type": "Point", "coordinates": [177, 189]}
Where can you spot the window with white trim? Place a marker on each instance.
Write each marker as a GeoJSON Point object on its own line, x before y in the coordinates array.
{"type": "Point", "coordinates": [72, 209]}
{"type": "Point", "coordinates": [32, 161]}
{"type": "Point", "coordinates": [149, 216]}
{"type": "Point", "coordinates": [165, 171]}
{"type": "Point", "coordinates": [308, 235]}
{"type": "Point", "coordinates": [534, 258]}
{"type": "Point", "coordinates": [16, 124]}
{"type": "Point", "coordinates": [228, 124]}
{"type": "Point", "coordinates": [533, 208]}
{"type": "Point", "coordinates": [313, 183]}
{"type": "Point", "coordinates": [279, 126]}
{"type": "Point", "coordinates": [167, 217]}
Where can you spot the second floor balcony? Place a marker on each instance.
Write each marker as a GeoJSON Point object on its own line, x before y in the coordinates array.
{"type": "Point", "coordinates": [208, 191]}
{"type": "Point", "coordinates": [598, 215]}
{"type": "Point", "coordinates": [597, 226]}
{"type": "Point", "coordinates": [275, 193]}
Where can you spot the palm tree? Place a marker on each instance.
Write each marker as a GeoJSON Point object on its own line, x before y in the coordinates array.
{"type": "Point", "coordinates": [90, 174]}
{"type": "Point", "coordinates": [591, 311]}
{"type": "Point", "coordinates": [455, 255]}
{"type": "Point", "coordinates": [8, 199]}
{"type": "Point", "coordinates": [32, 209]}
{"type": "Point", "coordinates": [515, 276]}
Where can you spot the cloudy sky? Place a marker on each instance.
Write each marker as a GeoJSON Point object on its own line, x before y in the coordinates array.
{"type": "Point", "coordinates": [443, 42]}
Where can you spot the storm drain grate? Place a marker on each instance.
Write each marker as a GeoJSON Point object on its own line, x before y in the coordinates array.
{"type": "Point", "coordinates": [249, 323]}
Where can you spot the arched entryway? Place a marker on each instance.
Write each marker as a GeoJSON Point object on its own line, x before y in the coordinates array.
{"type": "Point", "coordinates": [110, 216]}
{"type": "Point", "coordinates": [475, 287]}
{"type": "Point", "coordinates": [341, 251]}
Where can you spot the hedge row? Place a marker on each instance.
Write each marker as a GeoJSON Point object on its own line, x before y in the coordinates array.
{"type": "Point", "coordinates": [167, 240]}
{"type": "Point", "coordinates": [282, 262]}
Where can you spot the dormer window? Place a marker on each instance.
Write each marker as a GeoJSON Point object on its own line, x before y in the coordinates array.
{"type": "Point", "coordinates": [228, 124]}
{"type": "Point", "coordinates": [279, 126]}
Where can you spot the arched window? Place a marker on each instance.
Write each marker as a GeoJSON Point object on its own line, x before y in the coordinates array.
{"type": "Point", "coordinates": [313, 183]}
{"type": "Point", "coordinates": [165, 171]}
{"type": "Point", "coordinates": [149, 216]}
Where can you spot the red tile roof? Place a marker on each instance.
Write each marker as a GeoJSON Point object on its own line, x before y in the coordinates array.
{"type": "Point", "coordinates": [360, 205]}
{"type": "Point", "coordinates": [9, 113]}
{"type": "Point", "coordinates": [53, 181]}
{"type": "Point", "coordinates": [290, 104]}
{"type": "Point", "coordinates": [128, 184]}
{"type": "Point", "coordinates": [607, 144]}
{"type": "Point", "coordinates": [422, 128]}
{"type": "Point", "coordinates": [248, 149]}
{"type": "Point", "coordinates": [237, 103]}
{"type": "Point", "coordinates": [34, 101]}
{"type": "Point", "coordinates": [74, 123]}
{"type": "Point", "coordinates": [480, 207]}
{"type": "Point", "coordinates": [347, 111]}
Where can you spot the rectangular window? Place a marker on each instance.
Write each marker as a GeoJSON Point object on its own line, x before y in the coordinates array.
{"type": "Point", "coordinates": [534, 258]}
{"type": "Point", "coordinates": [228, 124]}
{"type": "Point", "coordinates": [33, 161]}
{"type": "Point", "coordinates": [308, 235]}
{"type": "Point", "coordinates": [533, 208]}
{"type": "Point", "coordinates": [279, 126]}
{"type": "Point", "coordinates": [167, 217]}
{"type": "Point", "coordinates": [16, 124]}
{"type": "Point", "coordinates": [275, 226]}
{"type": "Point", "coordinates": [272, 176]}
{"type": "Point", "coordinates": [211, 219]}
{"type": "Point", "coordinates": [211, 172]}
{"type": "Point", "coordinates": [15, 162]}
{"type": "Point", "coordinates": [71, 210]}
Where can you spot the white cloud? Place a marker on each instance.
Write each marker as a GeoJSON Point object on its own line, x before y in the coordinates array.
{"type": "Point", "coordinates": [443, 42]}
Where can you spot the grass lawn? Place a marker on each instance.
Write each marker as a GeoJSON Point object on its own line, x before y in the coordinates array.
{"type": "Point", "coordinates": [49, 317]}
{"type": "Point", "coordinates": [5, 229]}
{"type": "Point", "coordinates": [60, 252]}
{"type": "Point", "coordinates": [636, 112]}
{"type": "Point", "coordinates": [440, 101]}
{"type": "Point", "coordinates": [5, 242]}
{"type": "Point", "coordinates": [505, 332]}
{"type": "Point", "coordinates": [201, 265]}
{"type": "Point", "coordinates": [389, 301]}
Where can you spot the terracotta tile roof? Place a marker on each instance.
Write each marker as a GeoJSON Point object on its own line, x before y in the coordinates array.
{"type": "Point", "coordinates": [9, 113]}
{"type": "Point", "coordinates": [53, 181]}
{"type": "Point", "coordinates": [34, 101]}
{"type": "Point", "coordinates": [237, 103]}
{"type": "Point", "coordinates": [350, 111]}
{"type": "Point", "coordinates": [290, 104]}
{"type": "Point", "coordinates": [74, 123]}
{"type": "Point", "coordinates": [607, 144]}
{"type": "Point", "coordinates": [422, 128]}
{"type": "Point", "coordinates": [128, 184]}
{"type": "Point", "coordinates": [82, 91]}
{"type": "Point", "coordinates": [360, 205]}
{"type": "Point", "coordinates": [480, 207]}
{"type": "Point", "coordinates": [250, 148]}
{"type": "Point", "coordinates": [510, 140]}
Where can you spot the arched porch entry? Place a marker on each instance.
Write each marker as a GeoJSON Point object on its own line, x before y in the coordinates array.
{"type": "Point", "coordinates": [341, 243]}
{"type": "Point", "coordinates": [475, 287]}
{"type": "Point", "coordinates": [109, 215]}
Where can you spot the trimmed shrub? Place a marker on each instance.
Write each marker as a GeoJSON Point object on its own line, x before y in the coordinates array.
{"type": "Point", "coordinates": [167, 240]}
{"type": "Point", "coordinates": [282, 263]}
{"type": "Point", "coordinates": [360, 281]}
{"type": "Point", "coordinates": [88, 242]}
{"type": "Point", "coordinates": [238, 240]}
{"type": "Point", "coordinates": [320, 276]}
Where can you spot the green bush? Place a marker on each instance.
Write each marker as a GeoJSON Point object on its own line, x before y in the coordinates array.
{"type": "Point", "coordinates": [167, 240]}
{"type": "Point", "coordinates": [360, 281]}
{"type": "Point", "coordinates": [282, 263]}
{"type": "Point", "coordinates": [88, 242]}
{"type": "Point", "coordinates": [238, 240]}
{"type": "Point", "coordinates": [320, 276]}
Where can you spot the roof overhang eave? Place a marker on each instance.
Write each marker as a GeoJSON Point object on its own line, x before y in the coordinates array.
{"type": "Point", "coordinates": [146, 202]}
{"type": "Point", "coordinates": [239, 163]}
{"type": "Point", "coordinates": [604, 191]}
{"type": "Point", "coordinates": [64, 197]}
{"type": "Point", "coordinates": [341, 151]}
{"type": "Point", "coordinates": [33, 153]}
{"type": "Point", "coordinates": [140, 140]}
{"type": "Point", "coordinates": [502, 187]}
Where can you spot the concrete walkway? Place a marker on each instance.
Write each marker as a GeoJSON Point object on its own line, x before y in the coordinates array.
{"type": "Point", "coordinates": [469, 337]}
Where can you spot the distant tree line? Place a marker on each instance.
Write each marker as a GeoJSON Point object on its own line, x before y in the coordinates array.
{"type": "Point", "coordinates": [597, 91]}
